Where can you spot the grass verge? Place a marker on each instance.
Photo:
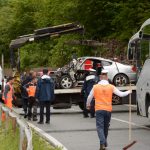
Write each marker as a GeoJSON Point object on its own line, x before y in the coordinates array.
{"type": "Point", "coordinates": [9, 139]}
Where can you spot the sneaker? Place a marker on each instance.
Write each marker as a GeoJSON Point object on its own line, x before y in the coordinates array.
{"type": "Point", "coordinates": [40, 122]}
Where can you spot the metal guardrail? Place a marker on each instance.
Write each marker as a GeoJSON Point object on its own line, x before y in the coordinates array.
{"type": "Point", "coordinates": [25, 131]}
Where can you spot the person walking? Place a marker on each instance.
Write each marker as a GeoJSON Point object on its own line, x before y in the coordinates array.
{"type": "Point", "coordinates": [89, 81]}
{"type": "Point", "coordinates": [32, 103]}
{"type": "Point", "coordinates": [45, 95]}
{"type": "Point", "coordinates": [102, 92]}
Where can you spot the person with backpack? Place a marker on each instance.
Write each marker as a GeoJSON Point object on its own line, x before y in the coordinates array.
{"type": "Point", "coordinates": [45, 95]}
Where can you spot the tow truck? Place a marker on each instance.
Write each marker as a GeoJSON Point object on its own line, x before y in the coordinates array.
{"type": "Point", "coordinates": [138, 44]}
{"type": "Point", "coordinates": [64, 97]}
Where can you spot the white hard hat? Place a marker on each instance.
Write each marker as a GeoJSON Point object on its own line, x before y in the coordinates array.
{"type": "Point", "coordinates": [104, 71]}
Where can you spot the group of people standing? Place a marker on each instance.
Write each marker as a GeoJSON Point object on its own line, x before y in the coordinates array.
{"type": "Point", "coordinates": [34, 91]}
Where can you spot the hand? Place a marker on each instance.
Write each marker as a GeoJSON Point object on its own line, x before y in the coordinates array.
{"type": "Point", "coordinates": [130, 91]}
{"type": "Point", "coordinates": [88, 107]}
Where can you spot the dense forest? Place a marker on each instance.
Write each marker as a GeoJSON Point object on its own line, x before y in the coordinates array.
{"type": "Point", "coordinates": [112, 22]}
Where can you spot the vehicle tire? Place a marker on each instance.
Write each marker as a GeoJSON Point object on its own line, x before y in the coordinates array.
{"type": "Point", "coordinates": [81, 105]}
{"type": "Point", "coordinates": [116, 100]}
{"type": "Point", "coordinates": [66, 82]}
{"type": "Point", "coordinates": [120, 80]}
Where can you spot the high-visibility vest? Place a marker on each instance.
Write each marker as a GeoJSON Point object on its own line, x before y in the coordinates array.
{"type": "Point", "coordinates": [9, 96]}
{"type": "Point", "coordinates": [31, 90]}
{"type": "Point", "coordinates": [103, 97]}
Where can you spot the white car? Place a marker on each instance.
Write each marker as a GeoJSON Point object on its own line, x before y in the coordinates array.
{"type": "Point", "coordinates": [119, 74]}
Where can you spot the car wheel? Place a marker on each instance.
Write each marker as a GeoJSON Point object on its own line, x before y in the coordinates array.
{"type": "Point", "coordinates": [120, 80]}
{"type": "Point", "coordinates": [66, 82]}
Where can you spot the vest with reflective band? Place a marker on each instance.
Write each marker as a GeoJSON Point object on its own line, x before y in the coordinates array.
{"type": "Point", "coordinates": [103, 97]}
{"type": "Point", "coordinates": [31, 90]}
{"type": "Point", "coordinates": [9, 96]}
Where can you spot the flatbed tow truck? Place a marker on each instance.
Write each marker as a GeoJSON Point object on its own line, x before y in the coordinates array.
{"type": "Point", "coordinates": [64, 98]}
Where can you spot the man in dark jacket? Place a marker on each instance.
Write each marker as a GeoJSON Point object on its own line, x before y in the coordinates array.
{"type": "Point", "coordinates": [89, 81]}
{"type": "Point", "coordinates": [45, 95]}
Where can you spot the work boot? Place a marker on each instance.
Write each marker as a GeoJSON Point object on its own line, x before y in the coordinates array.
{"type": "Point", "coordinates": [102, 147]}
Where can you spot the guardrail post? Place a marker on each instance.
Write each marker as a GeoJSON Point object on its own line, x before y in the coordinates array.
{"type": "Point", "coordinates": [21, 137]}
{"type": "Point", "coordinates": [14, 124]}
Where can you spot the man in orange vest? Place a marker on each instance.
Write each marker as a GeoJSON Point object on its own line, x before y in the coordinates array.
{"type": "Point", "coordinates": [31, 89]}
{"type": "Point", "coordinates": [8, 92]}
{"type": "Point", "coordinates": [102, 93]}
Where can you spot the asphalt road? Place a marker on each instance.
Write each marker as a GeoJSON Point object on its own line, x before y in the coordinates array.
{"type": "Point", "coordinates": [78, 133]}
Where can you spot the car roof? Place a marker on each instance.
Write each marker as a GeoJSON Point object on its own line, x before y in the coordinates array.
{"type": "Point", "coordinates": [93, 57]}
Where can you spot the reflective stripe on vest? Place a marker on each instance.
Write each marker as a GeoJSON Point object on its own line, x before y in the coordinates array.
{"type": "Point", "coordinates": [103, 97]}
{"type": "Point", "coordinates": [31, 90]}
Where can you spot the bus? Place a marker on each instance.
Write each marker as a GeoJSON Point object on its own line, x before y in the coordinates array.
{"type": "Point", "coordinates": [139, 52]}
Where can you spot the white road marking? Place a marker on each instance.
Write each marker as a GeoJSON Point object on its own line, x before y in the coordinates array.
{"type": "Point", "coordinates": [132, 123]}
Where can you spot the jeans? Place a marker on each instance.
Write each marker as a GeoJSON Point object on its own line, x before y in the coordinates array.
{"type": "Point", "coordinates": [102, 124]}
{"type": "Point", "coordinates": [42, 104]}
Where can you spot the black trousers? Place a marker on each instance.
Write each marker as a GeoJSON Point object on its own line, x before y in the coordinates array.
{"type": "Point", "coordinates": [32, 104]}
{"type": "Point", "coordinates": [43, 104]}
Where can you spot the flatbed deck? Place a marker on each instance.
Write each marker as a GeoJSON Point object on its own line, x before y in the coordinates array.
{"type": "Point", "coordinates": [78, 90]}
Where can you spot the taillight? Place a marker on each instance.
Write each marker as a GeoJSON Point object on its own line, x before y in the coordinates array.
{"type": "Point", "coordinates": [134, 68]}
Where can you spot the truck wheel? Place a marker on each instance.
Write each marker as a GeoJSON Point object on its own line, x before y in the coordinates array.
{"type": "Point", "coordinates": [116, 100]}
{"type": "Point", "coordinates": [66, 82]}
{"type": "Point", "coordinates": [81, 105]}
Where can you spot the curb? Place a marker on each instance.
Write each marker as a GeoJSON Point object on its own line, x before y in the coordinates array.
{"type": "Point", "coordinates": [47, 137]}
